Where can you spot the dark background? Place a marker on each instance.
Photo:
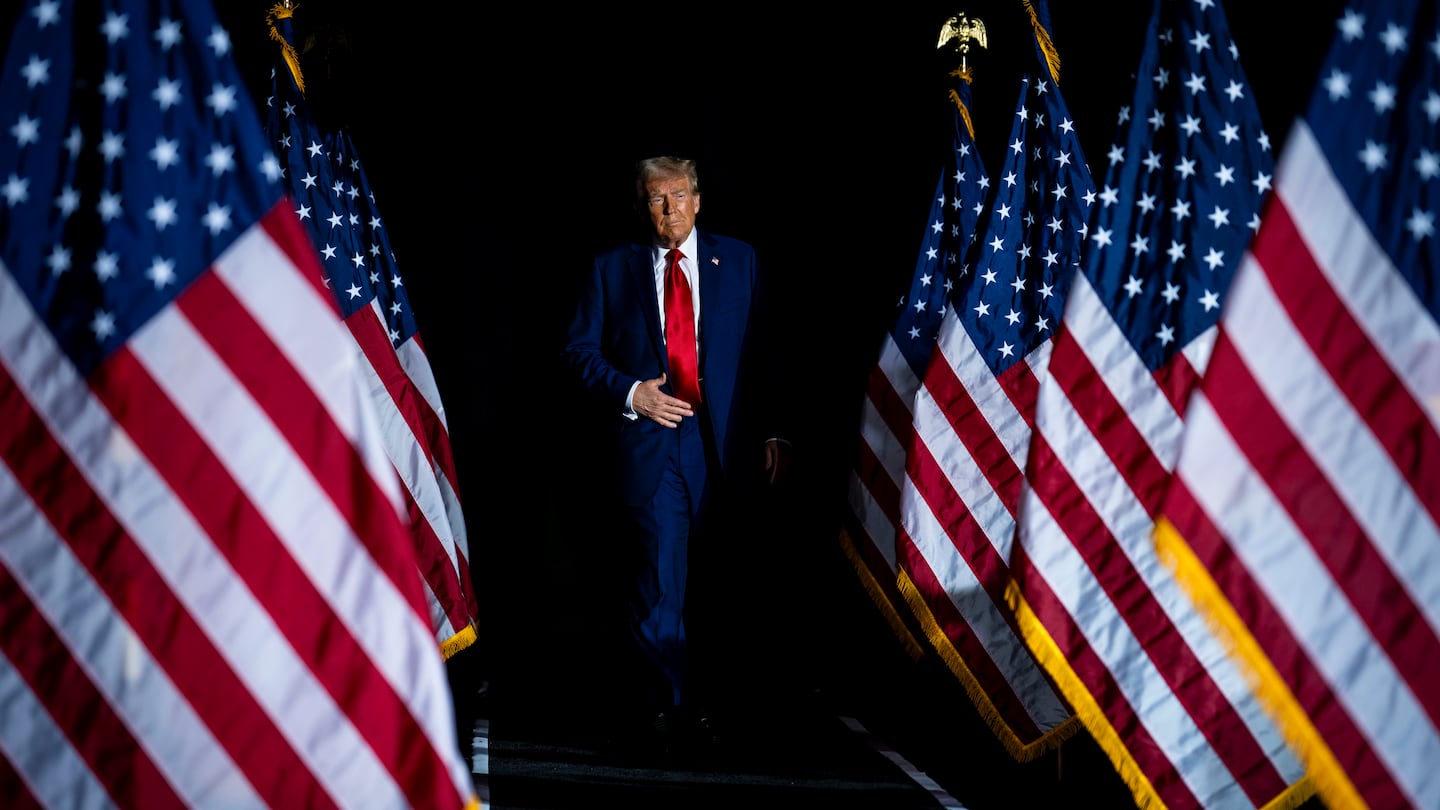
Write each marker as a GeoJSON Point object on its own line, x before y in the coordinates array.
{"type": "Point", "coordinates": [499, 139]}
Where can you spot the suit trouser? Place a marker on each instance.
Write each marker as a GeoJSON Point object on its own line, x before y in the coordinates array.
{"type": "Point", "coordinates": [663, 527]}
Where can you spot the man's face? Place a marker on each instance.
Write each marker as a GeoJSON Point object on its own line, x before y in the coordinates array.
{"type": "Point", "coordinates": [673, 207]}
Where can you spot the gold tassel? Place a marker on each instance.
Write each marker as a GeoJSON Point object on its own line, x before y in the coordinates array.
{"type": "Point", "coordinates": [1052, 57]}
{"type": "Point", "coordinates": [963, 73]}
{"type": "Point", "coordinates": [283, 11]}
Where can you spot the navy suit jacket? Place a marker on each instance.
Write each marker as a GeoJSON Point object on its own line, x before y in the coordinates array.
{"type": "Point", "coordinates": [615, 339]}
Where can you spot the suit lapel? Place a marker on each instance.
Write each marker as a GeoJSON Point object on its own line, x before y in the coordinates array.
{"type": "Point", "coordinates": [644, 276]}
{"type": "Point", "coordinates": [710, 267]}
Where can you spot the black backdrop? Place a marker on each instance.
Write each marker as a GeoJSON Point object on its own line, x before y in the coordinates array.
{"type": "Point", "coordinates": [499, 140]}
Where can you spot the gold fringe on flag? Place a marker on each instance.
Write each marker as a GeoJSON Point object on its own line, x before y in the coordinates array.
{"type": "Point", "coordinates": [283, 11]}
{"type": "Point", "coordinates": [1052, 56]}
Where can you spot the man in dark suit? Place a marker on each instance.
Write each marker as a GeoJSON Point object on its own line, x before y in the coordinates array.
{"type": "Point", "coordinates": [683, 433]}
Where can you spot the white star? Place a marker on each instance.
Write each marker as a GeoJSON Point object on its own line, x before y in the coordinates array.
{"type": "Point", "coordinates": [1220, 216]}
{"type": "Point", "coordinates": [115, 27]}
{"type": "Point", "coordinates": [1261, 182]}
{"type": "Point", "coordinates": [166, 93]}
{"type": "Point", "coordinates": [219, 41]}
{"type": "Point", "coordinates": [112, 146]}
{"type": "Point", "coordinates": [1210, 300]}
{"type": "Point", "coordinates": [1006, 350]}
{"type": "Point", "coordinates": [937, 226]}
{"type": "Point", "coordinates": [1102, 237]}
{"type": "Point", "coordinates": [997, 244]}
{"type": "Point", "coordinates": [1215, 258]}
{"type": "Point", "coordinates": [1191, 125]}
{"type": "Point", "coordinates": [222, 99]}
{"type": "Point", "coordinates": [1109, 196]}
{"type": "Point", "coordinates": [1046, 290]}
{"type": "Point", "coordinates": [1162, 78]}
{"type": "Point", "coordinates": [1166, 335]}
{"type": "Point", "coordinates": [303, 212]}
{"type": "Point", "coordinates": [1140, 244]}
{"type": "Point", "coordinates": [1394, 38]}
{"type": "Point", "coordinates": [221, 159]}
{"type": "Point", "coordinates": [1176, 252]}
{"type": "Point", "coordinates": [1181, 209]}
{"type": "Point", "coordinates": [47, 13]}
{"type": "Point", "coordinates": [1009, 179]}
{"type": "Point", "coordinates": [58, 261]}
{"type": "Point", "coordinates": [103, 325]}
{"type": "Point", "coordinates": [1156, 119]}
{"type": "Point", "coordinates": [1337, 84]}
{"type": "Point", "coordinates": [1427, 165]}
{"type": "Point", "coordinates": [335, 219]}
{"type": "Point", "coordinates": [167, 34]}
{"type": "Point", "coordinates": [163, 213]}
{"type": "Point", "coordinates": [217, 218]}
{"type": "Point", "coordinates": [1230, 132]}
{"type": "Point", "coordinates": [1352, 25]}
{"type": "Point", "coordinates": [162, 272]}
{"type": "Point", "coordinates": [354, 290]}
{"type": "Point", "coordinates": [1373, 156]}
{"type": "Point", "coordinates": [358, 259]}
{"type": "Point", "coordinates": [1196, 83]}
{"type": "Point", "coordinates": [1186, 167]}
{"type": "Point", "coordinates": [1004, 212]}
{"type": "Point", "coordinates": [1225, 175]}
{"type": "Point", "coordinates": [26, 130]}
{"type": "Point", "coordinates": [989, 276]}
{"type": "Point", "coordinates": [1042, 324]}
{"type": "Point", "coordinates": [1420, 224]}
{"type": "Point", "coordinates": [1152, 161]}
{"type": "Point", "coordinates": [1018, 284]}
{"type": "Point", "coordinates": [1117, 154]}
{"type": "Point", "coordinates": [68, 200]}
{"type": "Point", "coordinates": [982, 310]}
{"type": "Point", "coordinates": [1012, 317]}
{"type": "Point", "coordinates": [270, 167]}
{"type": "Point", "coordinates": [1432, 106]}
{"type": "Point", "coordinates": [1234, 90]}
{"type": "Point", "coordinates": [109, 206]}
{"type": "Point", "coordinates": [36, 71]}
{"type": "Point", "coordinates": [112, 87]}
{"type": "Point", "coordinates": [1200, 42]}
{"type": "Point", "coordinates": [1146, 203]}
{"type": "Point", "coordinates": [107, 265]}
{"type": "Point", "coordinates": [1171, 292]}
{"type": "Point", "coordinates": [1133, 286]}
{"type": "Point", "coordinates": [165, 154]}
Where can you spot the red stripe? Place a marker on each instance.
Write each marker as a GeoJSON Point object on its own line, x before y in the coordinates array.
{"type": "Point", "coordinates": [1260, 618]}
{"type": "Point", "coordinates": [1108, 423]}
{"type": "Point", "coordinates": [892, 408]}
{"type": "Point", "coordinates": [973, 430]}
{"type": "Point", "coordinates": [1177, 379]}
{"type": "Point", "coordinates": [1382, 603]}
{"type": "Point", "coordinates": [77, 707]}
{"type": "Point", "coordinates": [1343, 348]}
{"type": "Point", "coordinates": [17, 794]}
{"type": "Point", "coordinates": [424, 424]}
{"type": "Point", "coordinates": [1173, 659]}
{"type": "Point", "coordinates": [1101, 686]}
{"type": "Point", "coordinates": [450, 591]}
{"type": "Point", "coordinates": [962, 638]}
{"type": "Point", "coordinates": [171, 636]}
{"type": "Point", "coordinates": [239, 529]}
{"type": "Point", "coordinates": [882, 489]}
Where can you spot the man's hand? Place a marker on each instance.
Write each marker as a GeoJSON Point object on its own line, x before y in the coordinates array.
{"type": "Point", "coordinates": [656, 405]}
{"type": "Point", "coordinates": [777, 460]}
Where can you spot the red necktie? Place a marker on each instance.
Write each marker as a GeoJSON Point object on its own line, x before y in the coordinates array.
{"type": "Point", "coordinates": [680, 332]}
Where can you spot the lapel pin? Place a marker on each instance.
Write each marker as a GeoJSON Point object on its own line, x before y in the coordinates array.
{"type": "Point", "coordinates": [715, 260]}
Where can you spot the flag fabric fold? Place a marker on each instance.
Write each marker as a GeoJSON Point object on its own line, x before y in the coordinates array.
{"type": "Point", "coordinates": [1144, 670]}
{"type": "Point", "coordinates": [1301, 516]}
{"type": "Point", "coordinates": [973, 410]}
{"type": "Point", "coordinates": [334, 200]}
{"type": "Point", "coordinates": [208, 594]}
{"type": "Point", "coordinates": [868, 538]}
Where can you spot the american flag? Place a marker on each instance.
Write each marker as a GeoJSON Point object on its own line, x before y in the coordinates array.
{"type": "Point", "coordinates": [874, 486]}
{"type": "Point", "coordinates": [209, 599]}
{"type": "Point", "coordinates": [972, 415]}
{"type": "Point", "coordinates": [333, 199]}
{"type": "Point", "coordinates": [1186, 177]}
{"type": "Point", "coordinates": [1303, 512]}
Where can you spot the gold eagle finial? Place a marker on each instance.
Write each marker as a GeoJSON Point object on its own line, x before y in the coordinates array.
{"type": "Point", "coordinates": [962, 29]}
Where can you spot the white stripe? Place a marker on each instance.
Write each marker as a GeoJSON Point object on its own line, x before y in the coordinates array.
{"type": "Point", "coordinates": [1318, 613]}
{"type": "Point", "coordinates": [1364, 277]}
{"type": "Point", "coordinates": [305, 520]}
{"type": "Point", "coordinates": [422, 376]}
{"type": "Point", "coordinates": [106, 647]}
{"type": "Point", "coordinates": [1129, 526]}
{"type": "Point", "coordinates": [1336, 437]}
{"type": "Point", "coordinates": [40, 752]}
{"type": "Point", "coordinates": [1127, 377]}
{"type": "Point", "coordinates": [986, 618]}
{"type": "Point", "coordinates": [307, 329]}
{"type": "Point", "coordinates": [942, 798]}
{"type": "Point", "coordinates": [1143, 685]}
